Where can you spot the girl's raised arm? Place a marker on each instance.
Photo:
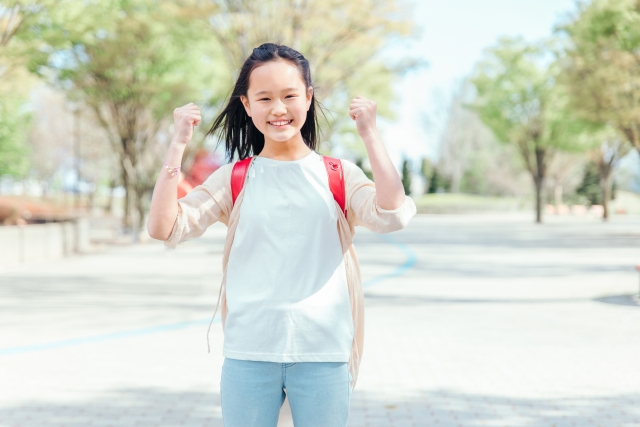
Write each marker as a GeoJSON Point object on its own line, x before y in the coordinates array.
{"type": "Point", "coordinates": [164, 203]}
{"type": "Point", "coordinates": [389, 190]}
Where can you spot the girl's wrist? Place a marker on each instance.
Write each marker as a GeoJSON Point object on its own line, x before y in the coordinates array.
{"type": "Point", "coordinates": [177, 147]}
{"type": "Point", "coordinates": [174, 155]}
{"type": "Point", "coordinates": [370, 136]}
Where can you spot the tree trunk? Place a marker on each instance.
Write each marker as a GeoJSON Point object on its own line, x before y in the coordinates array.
{"type": "Point", "coordinates": [456, 177]}
{"type": "Point", "coordinates": [140, 208]}
{"type": "Point", "coordinates": [126, 183]}
{"type": "Point", "coordinates": [605, 169]}
{"type": "Point", "coordinates": [605, 191]}
{"type": "Point", "coordinates": [557, 194]}
{"type": "Point", "coordinates": [109, 207]}
{"type": "Point", "coordinates": [538, 178]}
{"type": "Point", "coordinates": [91, 198]}
{"type": "Point", "coordinates": [538, 185]}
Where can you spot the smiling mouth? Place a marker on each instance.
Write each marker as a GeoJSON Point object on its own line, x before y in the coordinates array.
{"type": "Point", "coordinates": [279, 123]}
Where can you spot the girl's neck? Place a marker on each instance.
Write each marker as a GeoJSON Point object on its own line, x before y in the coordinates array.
{"type": "Point", "coordinates": [293, 149]}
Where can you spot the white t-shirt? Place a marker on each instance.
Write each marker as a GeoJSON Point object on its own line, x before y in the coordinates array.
{"type": "Point", "coordinates": [286, 286]}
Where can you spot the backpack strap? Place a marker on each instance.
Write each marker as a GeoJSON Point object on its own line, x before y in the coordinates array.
{"type": "Point", "coordinates": [238, 176]}
{"type": "Point", "coordinates": [336, 181]}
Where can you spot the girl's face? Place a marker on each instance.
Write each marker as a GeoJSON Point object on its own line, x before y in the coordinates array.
{"type": "Point", "coordinates": [277, 100]}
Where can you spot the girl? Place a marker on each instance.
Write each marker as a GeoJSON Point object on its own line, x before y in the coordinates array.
{"type": "Point", "coordinates": [292, 302]}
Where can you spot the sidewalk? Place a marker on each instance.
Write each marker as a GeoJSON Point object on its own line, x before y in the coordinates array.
{"type": "Point", "coordinates": [470, 321]}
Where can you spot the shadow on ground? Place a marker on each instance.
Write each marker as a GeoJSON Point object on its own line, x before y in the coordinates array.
{"type": "Point", "coordinates": [150, 407]}
{"type": "Point", "coordinates": [449, 408]}
{"type": "Point", "coordinates": [631, 300]}
{"type": "Point", "coordinates": [129, 407]}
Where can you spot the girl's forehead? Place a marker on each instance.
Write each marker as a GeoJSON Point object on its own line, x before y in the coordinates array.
{"type": "Point", "coordinates": [274, 76]}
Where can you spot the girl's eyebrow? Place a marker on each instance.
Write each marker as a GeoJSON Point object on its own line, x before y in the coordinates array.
{"type": "Point", "coordinates": [265, 92]}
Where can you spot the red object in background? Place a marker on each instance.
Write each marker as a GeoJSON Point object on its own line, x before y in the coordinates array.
{"type": "Point", "coordinates": [204, 165]}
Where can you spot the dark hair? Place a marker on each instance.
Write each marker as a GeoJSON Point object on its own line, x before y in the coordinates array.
{"type": "Point", "coordinates": [234, 125]}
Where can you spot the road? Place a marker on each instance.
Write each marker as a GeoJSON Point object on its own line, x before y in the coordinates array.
{"type": "Point", "coordinates": [470, 321]}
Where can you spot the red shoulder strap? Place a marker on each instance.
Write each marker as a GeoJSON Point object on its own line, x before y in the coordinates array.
{"type": "Point", "coordinates": [336, 181]}
{"type": "Point", "coordinates": [238, 176]}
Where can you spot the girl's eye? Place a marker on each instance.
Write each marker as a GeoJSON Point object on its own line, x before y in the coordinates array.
{"type": "Point", "coordinates": [290, 96]}
{"type": "Point", "coordinates": [263, 99]}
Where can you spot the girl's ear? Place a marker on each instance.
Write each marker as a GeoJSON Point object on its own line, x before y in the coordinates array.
{"type": "Point", "coordinates": [309, 97]}
{"type": "Point", "coordinates": [245, 102]}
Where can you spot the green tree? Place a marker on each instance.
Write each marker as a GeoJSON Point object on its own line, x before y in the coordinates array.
{"type": "Point", "coordinates": [406, 177]}
{"type": "Point", "coordinates": [15, 16]}
{"type": "Point", "coordinates": [601, 66]}
{"type": "Point", "coordinates": [601, 69]}
{"type": "Point", "coordinates": [589, 188]}
{"type": "Point", "coordinates": [437, 183]}
{"type": "Point", "coordinates": [609, 149]}
{"type": "Point", "coordinates": [14, 85]}
{"type": "Point", "coordinates": [426, 169]}
{"type": "Point", "coordinates": [130, 62]}
{"type": "Point", "coordinates": [13, 125]}
{"type": "Point", "coordinates": [519, 100]}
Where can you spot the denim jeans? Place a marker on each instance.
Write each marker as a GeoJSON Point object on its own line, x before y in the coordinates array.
{"type": "Point", "coordinates": [252, 393]}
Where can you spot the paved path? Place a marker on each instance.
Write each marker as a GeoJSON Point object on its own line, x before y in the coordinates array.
{"type": "Point", "coordinates": [479, 321]}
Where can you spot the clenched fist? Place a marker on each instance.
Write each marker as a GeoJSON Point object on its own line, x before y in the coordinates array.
{"type": "Point", "coordinates": [363, 111]}
{"type": "Point", "coordinates": [185, 118]}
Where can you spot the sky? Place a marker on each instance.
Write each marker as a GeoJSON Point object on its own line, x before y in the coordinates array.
{"type": "Point", "coordinates": [453, 36]}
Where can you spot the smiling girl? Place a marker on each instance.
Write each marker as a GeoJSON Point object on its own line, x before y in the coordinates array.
{"type": "Point", "coordinates": [291, 294]}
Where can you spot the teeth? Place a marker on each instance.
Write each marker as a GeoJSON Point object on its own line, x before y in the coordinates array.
{"type": "Point", "coordinates": [280, 123]}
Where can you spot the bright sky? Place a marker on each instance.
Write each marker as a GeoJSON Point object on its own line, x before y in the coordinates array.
{"type": "Point", "coordinates": [454, 33]}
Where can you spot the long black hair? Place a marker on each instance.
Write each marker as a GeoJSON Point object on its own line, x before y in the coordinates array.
{"type": "Point", "coordinates": [234, 125]}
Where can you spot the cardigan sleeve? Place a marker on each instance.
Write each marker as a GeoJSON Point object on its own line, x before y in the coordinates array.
{"type": "Point", "coordinates": [363, 206]}
{"type": "Point", "coordinates": [205, 204]}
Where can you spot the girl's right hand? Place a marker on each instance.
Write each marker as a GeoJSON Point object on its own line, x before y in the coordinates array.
{"type": "Point", "coordinates": [185, 119]}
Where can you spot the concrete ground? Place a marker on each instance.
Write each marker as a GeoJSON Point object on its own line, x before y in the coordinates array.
{"type": "Point", "coordinates": [470, 321]}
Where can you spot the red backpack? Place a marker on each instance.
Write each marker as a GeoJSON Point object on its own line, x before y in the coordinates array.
{"type": "Point", "coordinates": [334, 170]}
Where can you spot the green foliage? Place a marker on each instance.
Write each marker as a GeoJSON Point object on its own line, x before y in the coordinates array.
{"type": "Point", "coordinates": [520, 101]}
{"type": "Point", "coordinates": [459, 203]}
{"type": "Point", "coordinates": [13, 137]}
{"type": "Point", "coordinates": [437, 183]}
{"type": "Point", "coordinates": [590, 186]}
{"type": "Point", "coordinates": [426, 169]}
{"type": "Point", "coordinates": [406, 177]}
{"type": "Point", "coordinates": [126, 52]}
{"type": "Point", "coordinates": [614, 189]}
{"type": "Point", "coordinates": [601, 65]}
{"type": "Point", "coordinates": [131, 62]}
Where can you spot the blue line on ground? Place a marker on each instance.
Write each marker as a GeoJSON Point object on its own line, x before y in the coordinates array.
{"type": "Point", "coordinates": [411, 260]}
{"type": "Point", "coordinates": [100, 338]}
{"type": "Point", "coordinates": [399, 271]}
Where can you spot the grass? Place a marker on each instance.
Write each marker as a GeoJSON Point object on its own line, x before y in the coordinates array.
{"type": "Point", "coordinates": [447, 203]}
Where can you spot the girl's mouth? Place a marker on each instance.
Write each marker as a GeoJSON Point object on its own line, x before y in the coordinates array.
{"type": "Point", "coordinates": [280, 123]}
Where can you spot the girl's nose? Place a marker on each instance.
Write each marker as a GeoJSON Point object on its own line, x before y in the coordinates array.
{"type": "Point", "coordinates": [278, 108]}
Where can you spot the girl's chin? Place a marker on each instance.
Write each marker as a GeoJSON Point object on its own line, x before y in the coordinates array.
{"type": "Point", "coordinates": [282, 136]}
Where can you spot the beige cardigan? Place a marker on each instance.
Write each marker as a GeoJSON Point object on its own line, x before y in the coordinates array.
{"type": "Point", "coordinates": [211, 202]}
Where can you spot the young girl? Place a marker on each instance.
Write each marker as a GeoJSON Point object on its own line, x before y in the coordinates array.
{"type": "Point", "coordinates": [292, 302]}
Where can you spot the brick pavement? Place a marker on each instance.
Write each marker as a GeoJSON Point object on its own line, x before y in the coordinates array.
{"type": "Point", "coordinates": [499, 323]}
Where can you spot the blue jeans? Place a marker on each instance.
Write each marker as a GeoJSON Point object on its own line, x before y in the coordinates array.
{"type": "Point", "coordinates": [252, 393]}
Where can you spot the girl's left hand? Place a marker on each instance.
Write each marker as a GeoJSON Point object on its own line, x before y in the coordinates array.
{"type": "Point", "coordinates": [363, 111]}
